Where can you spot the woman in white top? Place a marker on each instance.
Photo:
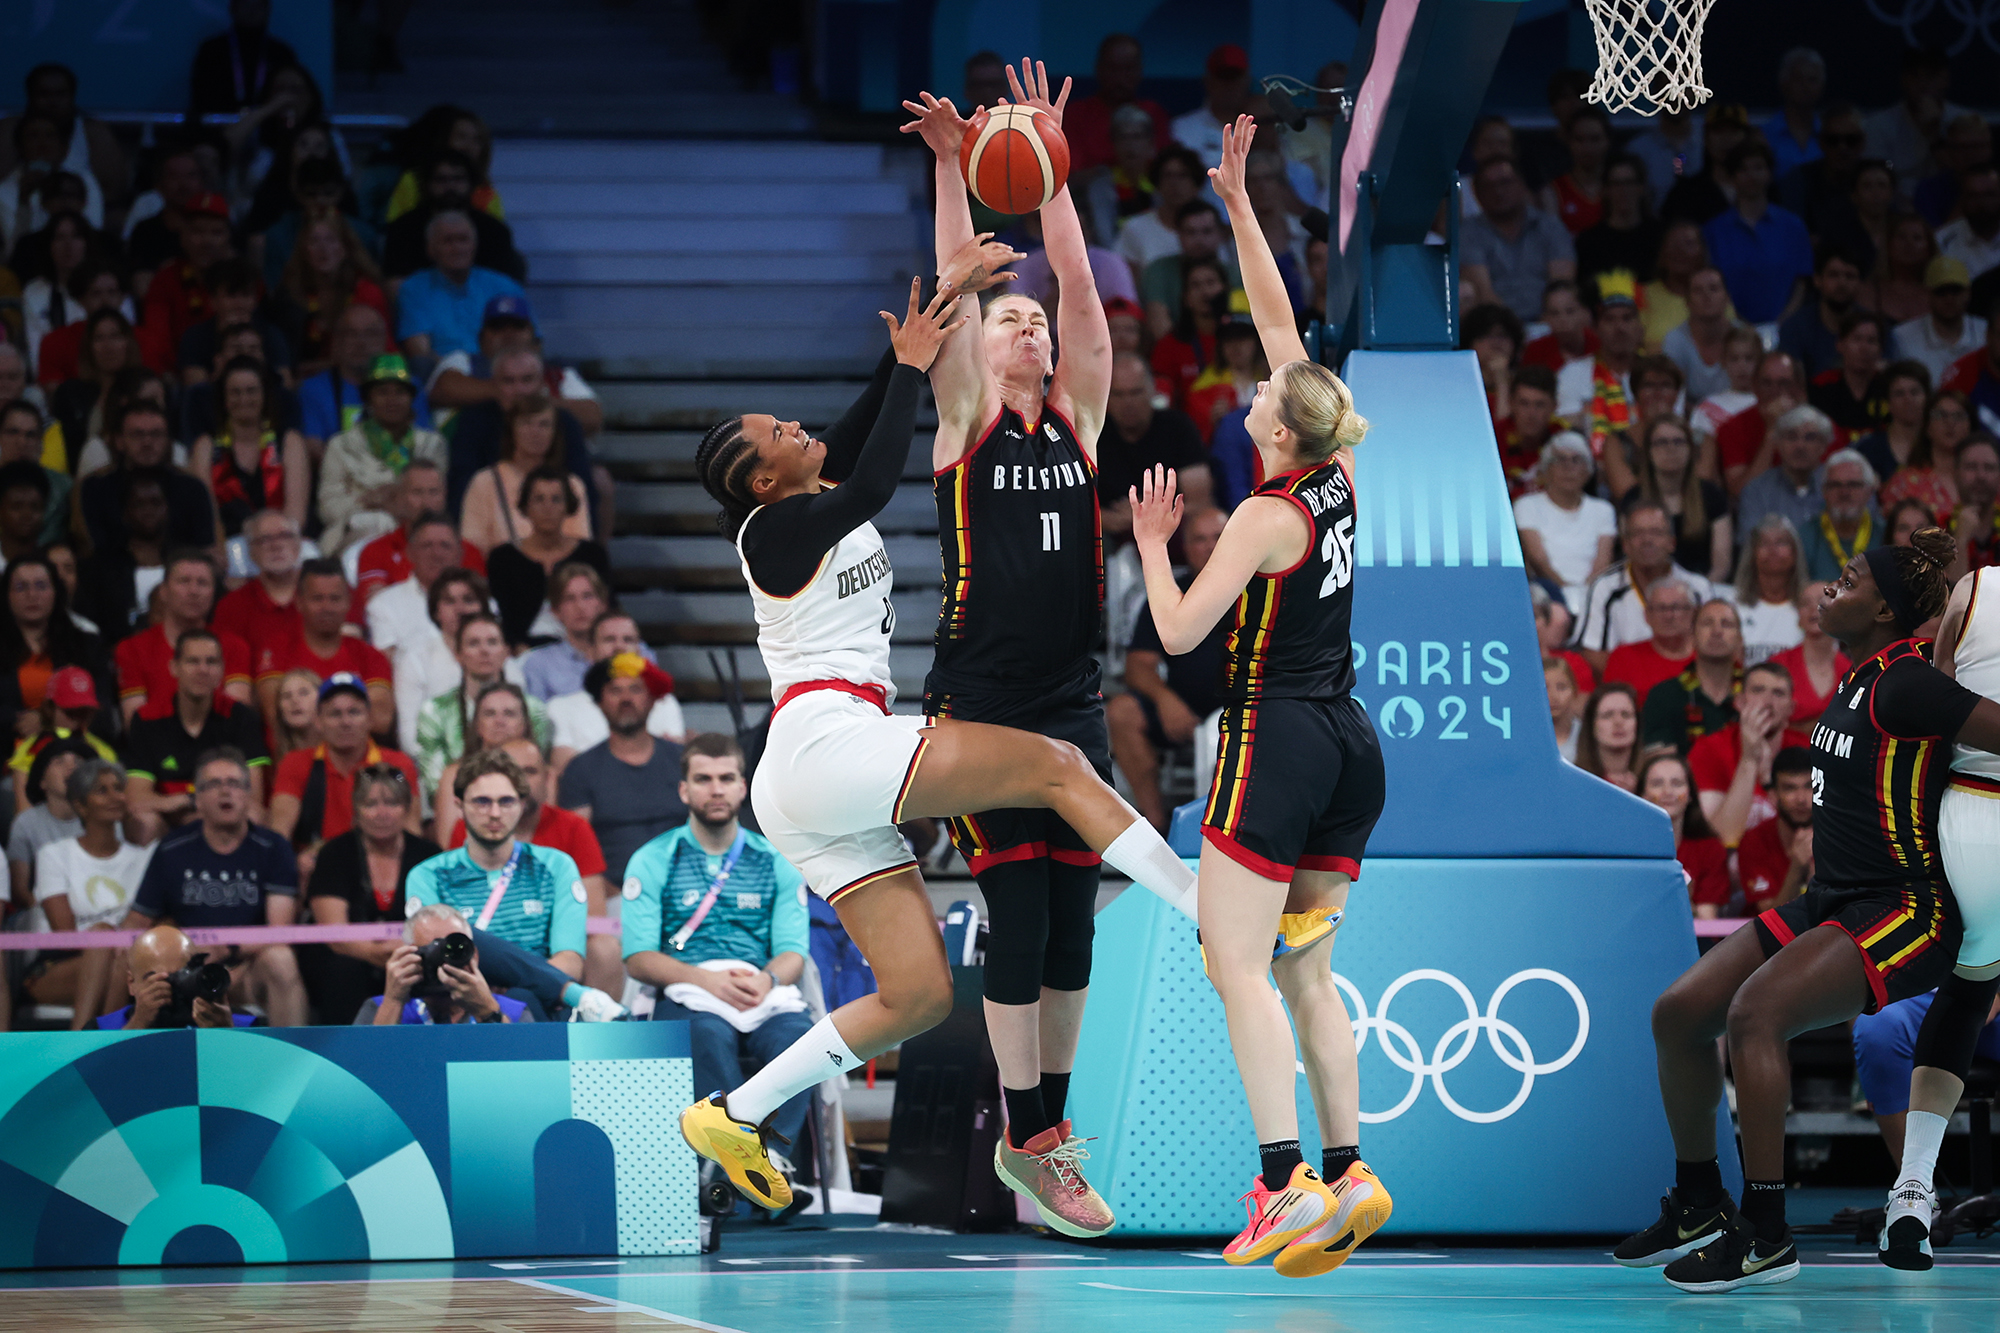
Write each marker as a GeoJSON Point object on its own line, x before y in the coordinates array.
{"type": "Point", "coordinates": [87, 883]}
{"type": "Point", "coordinates": [1566, 536]}
{"type": "Point", "coordinates": [1769, 574]}
{"type": "Point", "coordinates": [492, 513]}
{"type": "Point", "coordinates": [48, 301]}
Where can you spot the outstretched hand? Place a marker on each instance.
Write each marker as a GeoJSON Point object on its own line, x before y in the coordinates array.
{"type": "Point", "coordinates": [922, 330]}
{"type": "Point", "coordinates": [1229, 177]}
{"type": "Point", "coordinates": [979, 264]}
{"type": "Point", "coordinates": [1031, 88]}
{"type": "Point", "coordinates": [1156, 506]}
{"type": "Point", "coordinates": [938, 121]}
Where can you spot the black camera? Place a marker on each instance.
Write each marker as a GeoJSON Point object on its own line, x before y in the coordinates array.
{"type": "Point", "coordinates": [199, 980]}
{"type": "Point", "coordinates": [453, 950]}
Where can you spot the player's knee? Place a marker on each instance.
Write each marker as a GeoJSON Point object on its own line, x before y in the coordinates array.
{"type": "Point", "coordinates": [1678, 1016]}
{"type": "Point", "coordinates": [1754, 1018]}
{"type": "Point", "coordinates": [920, 1003]}
{"type": "Point", "coordinates": [1066, 965]}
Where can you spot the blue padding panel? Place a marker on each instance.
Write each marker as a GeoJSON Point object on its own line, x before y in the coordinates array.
{"type": "Point", "coordinates": [1579, 1148]}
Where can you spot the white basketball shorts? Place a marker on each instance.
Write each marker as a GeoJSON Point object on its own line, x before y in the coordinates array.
{"type": "Point", "coordinates": [1969, 836]}
{"type": "Point", "coordinates": [830, 787]}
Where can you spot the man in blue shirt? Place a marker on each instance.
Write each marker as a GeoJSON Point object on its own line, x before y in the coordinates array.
{"type": "Point", "coordinates": [530, 896]}
{"type": "Point", "coordinates": [331, 401]}
{"type": "Point", "coordinates": [460, 994]}
{"type": "Point", "coordinates": [439, 308]}
{"type": "Point", "coordinates": [718, 921]}
{"type": "Point", "coordinates": [1761, 250]}
{"type": "Point", "coordinates": [153, 959]}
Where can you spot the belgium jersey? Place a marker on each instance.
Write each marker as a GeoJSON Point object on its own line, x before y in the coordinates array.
{"type": "Point", "coordinates": [1023, 561]}
{"type": "Point", "coordinates": [1291, 636]}
{"type": "Point", "coordinates": [1881, 757]}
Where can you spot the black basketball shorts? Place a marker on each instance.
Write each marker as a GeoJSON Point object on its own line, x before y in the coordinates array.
{"type": "Point", "coordinates": [1298, 785]}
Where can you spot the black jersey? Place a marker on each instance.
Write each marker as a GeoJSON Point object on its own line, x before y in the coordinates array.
{"type": "Point", "coordinates": [1881, 758]}
{"type": "Point", "coordinates": [1292, 636]}
{"type": "Point", "coordinates": [1023, 559]}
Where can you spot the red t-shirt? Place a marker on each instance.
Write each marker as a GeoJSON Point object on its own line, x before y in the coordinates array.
{"type": "Point", "coordinates": [1586, 679]}
{"type": "Point", "coordinates": [145, 664]}
{"type": "Point", "coordinates": [1706, 862]}
{"type": "Point", "coordinates": [363, 659]}
{"type": "Point", "coordinates": [1738, 439]}
{"type": "Point", "coordinates": [1087, 126]}
{"type": "Point", "coordinates": [251, 615]}
{"type": "Point", "coordinates": [295, 770]}
{"type": "Point", "coordinates": [175, 302]}
{"type": "Point", "coordinates": [56, 361]}
{"type": "Point", "coordinates": [386, 560]}
{"type": "Point", "coordinates": [560, 831]}
{"type": "Point", "coordinates": [1546, 351]}
{"type": "Point", "coordinates": [1714, 758]}
{"type": "Point", "coordinates": [1806, 705]}
{"type": "Point", "coordinates": [1762, 862]}
{"type": "Point", "coordinates": [1641, 666]}
{"type": "Point", "coordinates": [1963, 375]}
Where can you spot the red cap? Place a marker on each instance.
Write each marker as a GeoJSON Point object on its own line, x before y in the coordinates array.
{"type": "Point", "coordinates": [1118, 305]}
{"type": "Point", "coordinates": [72, 690]}
{"type": "Point", "coordinates": [215, 206]}
{"type": "Point", "coordinates": [1227, 60]}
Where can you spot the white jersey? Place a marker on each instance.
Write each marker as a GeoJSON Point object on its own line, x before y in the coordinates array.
{"type": "Point", "coordinates": [835, 628]}
{"type": "Point", "coordinates": [1977, 665]}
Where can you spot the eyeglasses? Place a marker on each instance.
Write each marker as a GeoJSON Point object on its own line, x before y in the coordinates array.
{"type": "Point", "coordinates": [486, 805]}
{"type": "Point", "coordinates": [223, 784]}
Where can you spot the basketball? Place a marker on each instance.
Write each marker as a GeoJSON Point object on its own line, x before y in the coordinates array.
{"type": "Point", "coordinates": [1014, 158]}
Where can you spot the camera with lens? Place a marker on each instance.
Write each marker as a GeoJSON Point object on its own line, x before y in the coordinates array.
{"type": "Point", "coordinates": [199, 980]}
{"type": "Point", "coordinates": [453, 950]}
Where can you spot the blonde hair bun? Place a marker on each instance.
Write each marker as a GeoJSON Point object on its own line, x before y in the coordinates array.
{"type": "Point", "coordinates": [1317, 407]}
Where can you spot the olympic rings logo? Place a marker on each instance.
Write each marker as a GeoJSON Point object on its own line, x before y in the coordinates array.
{"type": "Point", "coordinates": [1976, 18]}
{"type": "Point", "coordinates": [1401, 1047]}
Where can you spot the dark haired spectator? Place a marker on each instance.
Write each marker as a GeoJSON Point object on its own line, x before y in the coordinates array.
{"type": "Point", "coordinates": [1977, 376]}
{"type": "Point", "coordinates": [167, 740]}
{"type": "Point", "coordinates": [1903, 135]}
{"type": "Point", "coordinates": [1976, 522]}
{"type": "Point", "coordinates": [1896, 290]}
{"type": "Point", "coordinates": [1670, 149]}
{"type": "Point", "coordinates": [385, 560]}
{"type": "Point", "coordinates": [1627, 236]}
{"type": "Point", "coordinates": [145, 658]}
{"type": "Point", "coordinates": [109, 346]}
{"type": "Point", "coordinates": [1139, 435]}
{"type": "Point", "coordinates": [1849, 392]}
{"type": "Point", "coordinates": [1577, 197]}
{"type": "Point", "coordinates": [1904, 390]}
{"type": "Point", "coordinates": [1547, 157]}
{"type": "Point", "coordinates": [490, 516]}
{"type": "Point", "coordinates": [202, 410]}
{"type": "Point", "coordinates": [1614, 606]}
{"type": "Point", "coordinates": [312, 793]}
{"type": "Point", "coordinates": [1762, 250]}
{"type": "Point", "coordinates": [1664, 780]}
{"type": "Point", "coordinates": [1230, 383]}
{"type": "Point", "coordinates": [1801, 439]}
{"type": "Point", "coordinates": [1905, 519]}
{"type": "Point", "coordinates": [576, 720]}
{"type": "Point", "coordinates": [1123, 188]}
{"type": "Point", "coordinates": [1491, 137]}
{"type": "Point", "coordinates": [1565, 705]}
{"type": "Point", "coordinates": [155, 238]}
{"type": "Point", "coordinates": [1945, 333]}
{"type": "Point", "coordinates": [1668, 651]}
{"type": "Point", "coordinates": [93, 286]}
{"type": "Point", "coordinates": [435, 304]}
{"type": "Point", "coordinates": [1732, 766]}
{"type": "Point", "coordinates": [89, 147]}
{"type": "Point", "coordinates": [1512, 250]}
{"type": "Point", "coordinates": [398, 616]}
{"type": "Point", "coordinates": [21, 435]}
{"type": "Point", "coordinates": [1745, 444]}
{"type": "Point", "coordinates": [578, 595]}
{"type": "Point", "coordinates": [361, 474]}
{"type": "Point", "coordinates": [1177, 177]}
{"type": "Point", "coordinates": [115, 580]}
{"type": "Point", "coordinates": [1974, 239]}
{"type": "Point", "coordinates": [233, 292]}
{"type": "Point", "coordinates": [1657, 390]}
{"type": "Point", "coordinates": [1930, 475]}
{"type": "Point", "coordinates": [1812, 333]}
{"type": "Point", "coordinates": [24, 509]}
{"type": "Point", "coordinates": [1189, 343]}
{"type": "Point", "coordinates": [479, 431]}
{"type": "Point", "coordinates": [38, 639]}
{"type": "Point", "coordinates": [467, 379]}
{"type": "Point", "coordinates": [177, 296]}
{"type": "Point", "coordinates": [1553, 623]}
{"type": "Point", "coordinates": [1793, 131]}
{"type": "Point", "coordinates": [358, 878]}
{"type": "Point", "coordinates": [427, 665]}
{"type": "Point", "coordinates": [252, 462]}
{"type": "Point", "coordinates": [232, 70]}
{"type": "Point", "coordinates": [322, 648]}
{"type": "Point", "coordinates": [1663, 301]}
{"type": "Point", "coordinates": [1571, 335]}
{"type": "Point", "coordinates": [41, 183]}
{"type": "Point", "coordinates": [140, 439]}
{"type": "Point", "coordinates": [442, 128]}
{"type": "Point", "coordinates": [1566, 536]}
{"type": "Point", "coordinates": [1769, 575]}
{"type": "Point", "coordinates": [628, 787]}
{"type": "Point", "coordinates": [329, 270]}
{"type": "Point", "coordinates": [1495, 335]}
{"type": "Point", "coordinates": [461, 722]}
{"type": "Point", "coordinates": [1820, 188]}
{"type": "Point", "coordinates": [1966, 146]}
{"type": "Point", "coordinates": [519, 568]}
{"type": "Point", "coordinates": [1697, 346]}
{"type": "Point", "coordinates": [1704, 537]}
{"type": "Point", "coordinates": [1225, 87]}
{"type": "Point", "coordinates": [449, 180]}
{"type": "Point", "coordinates": [333, 400]}
{"type": "Point", "coordinates": [1163, 287]}
{"type": "Point", "coordinates": [1087, 121]}
{"type": "Point", "coordinates": [58, 262]}
{"type": "Point", "coordinates": [1699, 195]}
{"type": "Point", "coordinates": [1596, 396]}
{"type": "Point", "coordinates": [1816, 665]}
{"type": "Point", "coordinates": [1608, 741]}
{"type": "Point", "coordinates": [88, 882]}
{"type": "Point", "coordinates": [1527, 428]}
{"type": "Point", "coordinates": [1775, 858]}
{"type": "Point", "coordinates": [1701, 698]}
{"type": "Point", "coordinates": [1742, 349]}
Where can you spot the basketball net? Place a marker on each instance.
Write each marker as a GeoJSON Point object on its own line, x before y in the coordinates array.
{"type": "Point", "coordinates": [1648, 54]}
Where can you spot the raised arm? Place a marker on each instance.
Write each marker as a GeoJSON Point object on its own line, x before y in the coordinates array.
{"type": "Point", "coordinates": [960, 380]}
{"type": "Point", "coordinates": [1270, 304]}
{"type": "Point", "coordinates": [1263, 531]}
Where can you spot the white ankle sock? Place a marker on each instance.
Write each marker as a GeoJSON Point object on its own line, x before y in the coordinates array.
{"type": "Point", "coordinates": [813, 1058]}
{"type": "Point", "coordinates": [1923, 1135]}
{"type": "Point", "coordinates": [1142, 855]}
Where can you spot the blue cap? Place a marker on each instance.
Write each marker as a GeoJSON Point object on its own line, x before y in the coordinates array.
{"type": "Point", "coordinates": [343, 680]}
{"type": "Point", "coordinates": [508, 307]}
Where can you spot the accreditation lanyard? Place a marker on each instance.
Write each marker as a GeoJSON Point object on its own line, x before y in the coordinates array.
{"type": "Point", "coordinates": [499, 888]}
{"type": "Point", "coordinates": [686, 933]}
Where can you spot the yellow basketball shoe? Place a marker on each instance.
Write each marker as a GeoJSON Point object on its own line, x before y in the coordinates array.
{"type": "Point", "coordinates": [739, 1149]}
{"type": "Point", "coordinates": [1295, 931]}
{"type": "Point", "coordinates": [1279, 1217]}
{"type": "Point", "coordinates": [1361, 1206]}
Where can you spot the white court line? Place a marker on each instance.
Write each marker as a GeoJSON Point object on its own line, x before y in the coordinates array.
{"type": "Point", "coordinates": [607, 1303]}
{"type": "Point", "coordinates": [1652, 1299]}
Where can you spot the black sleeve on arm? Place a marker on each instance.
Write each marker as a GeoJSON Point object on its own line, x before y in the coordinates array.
{"type": "Point", "coordinates": [1915, 701]}
{"type": "Point", "coordinates": [785, 544]}
{"type": "Point", "coordinates": [846, 436]}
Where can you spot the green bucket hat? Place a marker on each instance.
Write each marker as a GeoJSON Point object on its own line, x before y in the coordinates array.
{"type": "Point", "coordinates": [389, 369]}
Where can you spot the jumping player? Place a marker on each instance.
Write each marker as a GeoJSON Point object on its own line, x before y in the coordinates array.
{"type": "Point", "coordinates": [1298, 782]}
{"type": "Point", "coordinates": [839, 771]}
{"type": "Point", "coordinates": [1877, 922]}
{"type": "Point", "coordinates": [1016, 487]}
{"type": "Point", "coordinates": [1968, 650]}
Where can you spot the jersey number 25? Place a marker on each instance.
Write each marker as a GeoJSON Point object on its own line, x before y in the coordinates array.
{"type": "Point", "coordinates": [1337, 549]}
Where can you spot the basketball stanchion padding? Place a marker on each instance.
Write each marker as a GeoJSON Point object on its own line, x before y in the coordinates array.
{"type": "Point", "coordinates": [1014, 158]}
{"type": "Point", "coordinates": [1648, 55]}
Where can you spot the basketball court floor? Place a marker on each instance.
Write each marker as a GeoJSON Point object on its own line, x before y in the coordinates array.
{"type": "Point", "coordinates": [898, 1280]}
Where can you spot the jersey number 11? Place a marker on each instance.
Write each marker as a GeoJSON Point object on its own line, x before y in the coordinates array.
{"type": "Point", "coordinates": [1052, 531]}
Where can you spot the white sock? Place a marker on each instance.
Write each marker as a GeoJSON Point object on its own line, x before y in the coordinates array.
{"type": "Point", "coordinates": [813, 1058]}
{"type": "Point", "coordinates": [1142, 855]}
{"type": "Point", "coordinates": [1923, 1135]}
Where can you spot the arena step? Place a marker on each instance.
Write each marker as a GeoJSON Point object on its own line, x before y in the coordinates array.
{"type": "Point", "coordinates": [669, 455]}
{"type": "Point", "coordinates": [697, 404]}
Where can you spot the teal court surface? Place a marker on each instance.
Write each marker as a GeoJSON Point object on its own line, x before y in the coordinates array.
{"type": "Point", "coordinates": [875, 1279]}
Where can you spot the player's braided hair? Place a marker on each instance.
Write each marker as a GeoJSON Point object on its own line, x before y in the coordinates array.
{"type": "Point", "coordinates": [1923, 564]}
{"type": "Point", "coordinates": [724, 463]}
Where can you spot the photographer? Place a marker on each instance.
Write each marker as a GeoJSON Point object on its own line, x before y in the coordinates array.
{"type": "Point", "coordinates": [167, 985]}
{"type": "Point", "coordinates": [425, 986]}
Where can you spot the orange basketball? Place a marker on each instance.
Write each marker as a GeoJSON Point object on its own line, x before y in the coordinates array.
{"type": "Point", "coordinates": [1014, 158]}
